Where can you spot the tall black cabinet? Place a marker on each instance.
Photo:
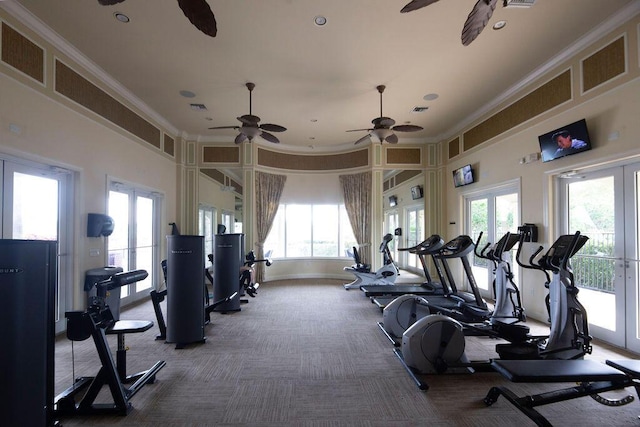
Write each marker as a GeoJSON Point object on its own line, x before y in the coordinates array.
{"type": "Point", "coordinates": [185, 289]}
{"type": "Point", "coordinates": [28, 275]}
{"type": "Point", "coordinates": [228, 258]}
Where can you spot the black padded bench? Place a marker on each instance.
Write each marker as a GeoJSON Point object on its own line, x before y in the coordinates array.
{"type": "Point", "coordinates": [592, 378]}
{"type": "Point", "coordinates": [120, 328]}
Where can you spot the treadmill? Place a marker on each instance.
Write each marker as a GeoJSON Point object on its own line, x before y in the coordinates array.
{"type": "Point", "coordinates": [383, 294]}
{"type": "Point", "coordinates": [461, 305]}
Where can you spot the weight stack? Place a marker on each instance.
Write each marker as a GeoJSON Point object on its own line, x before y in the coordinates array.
{"type": "Point", "coordinates": [228, 256]}
{"type": "Point", "coordinates": [185, 289]}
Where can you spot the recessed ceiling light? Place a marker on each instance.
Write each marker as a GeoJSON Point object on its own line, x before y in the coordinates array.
{"type": "Point", "coordinates": [320, 20]}
{"type": "Point", "coordinates": [499, 25]}
{"type": "Point", "coordinates": [121, 17]}
{"type": "Point", "coordinates": [187, 94]}
{"type": "Point", "coordinates": [430, 96]}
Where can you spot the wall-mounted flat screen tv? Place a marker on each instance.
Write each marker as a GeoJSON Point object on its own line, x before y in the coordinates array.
{"type": "Point", "coordinates": [463, 176]}
{"type": "Point", "coordinates": [570, 139]}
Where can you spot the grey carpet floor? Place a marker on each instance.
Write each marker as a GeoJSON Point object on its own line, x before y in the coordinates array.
{"type": "Point", "coordinates": [309, 353]}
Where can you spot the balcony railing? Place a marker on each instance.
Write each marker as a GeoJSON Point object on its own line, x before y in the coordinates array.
{"type": "Point", "coordinates": [594, 265]}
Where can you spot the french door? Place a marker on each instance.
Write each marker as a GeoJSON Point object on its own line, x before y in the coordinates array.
{"type": "Point", "coordinates": [134, 243]}
{"type": "Point", "coordinates": [415, 233]}
{"type": "Point", "coordinates": [604, 206]}
{"type": "Point", "coordinates": [493, 212]}
{"type": "Point", "coordinates": [37, 205]}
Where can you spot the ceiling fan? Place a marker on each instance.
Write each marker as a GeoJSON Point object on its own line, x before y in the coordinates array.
{"type": "Point", "coordinates": [198, 12]}
{"type": "Point", "coordinates": [476, 21]}
{"type": "Point", "coordinates": [250, 127]}
{"type": "Point", "coordinates": [382, 130]}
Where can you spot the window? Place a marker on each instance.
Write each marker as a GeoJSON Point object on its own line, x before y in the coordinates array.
{"type": "Point", "coordinates": [227, 221]}
{"type": "Point", "coordinates": [206, 227]}
{"type": "Point", "coordinates": [135, 239]}
{"type": "Point", "coordinates": [321, 231]}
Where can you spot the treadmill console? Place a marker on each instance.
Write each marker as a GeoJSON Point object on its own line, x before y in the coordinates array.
{"type": "Point", "coordinates": [432, 244]}
{"type": "Point", "coordinates": [458, 247]}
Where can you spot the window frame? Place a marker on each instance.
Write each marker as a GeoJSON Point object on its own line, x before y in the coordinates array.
{"type": "Point", "coordinates": [280, 225]}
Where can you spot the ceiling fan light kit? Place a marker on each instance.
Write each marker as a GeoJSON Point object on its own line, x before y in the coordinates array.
{"type": "Point", "coordinates": [382, 127]}
{"type": "Point", "coordinates": [251, 128]}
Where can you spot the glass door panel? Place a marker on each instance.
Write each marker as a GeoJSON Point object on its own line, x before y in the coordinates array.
{"type": "Point", "coordinates": [595, 207]}
{"type": "Point", "coordinates": [479, 216]}
{"type": "Point", "coordinates": [631, 260]}
{"type": "Point", "coordinates": [415, 233]}
{"type": "Point", "coordinates": [118, 252]}
{"type": "Point", "coordinates": [144, 241]}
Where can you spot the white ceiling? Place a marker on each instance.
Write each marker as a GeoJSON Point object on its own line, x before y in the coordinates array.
{"type": "Point", "coordinates": [320, 82]}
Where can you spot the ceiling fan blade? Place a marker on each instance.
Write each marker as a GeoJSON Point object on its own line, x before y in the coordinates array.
{"type": "Point", "coordinates": [392, 139]}
{"type": "Point", "coordinates": [200, 15]}
{"type": "Point", "coordinates": [477, 20]}
{"type": "Point", "coordinates": [269, 137]}
{"type": "Point", "coordinates": [407, 128]}
{"type": "Point", "coordinates": [225, 127]}
{"type": "Point", "coordinates": [416, 4]}
{"type": "Point", "coordinates": [359, 130]}
{"type": "Point", "coordinates": [383, 122]}
{"type": "Point", "coordinates": [249, 119]}
{"type": "Point", "coordinates": [363, 139]}
{"type": "Point", "coordinates": [272, 128]}
{"type": "Point", "coordinates": [240, 138]}
{"type": "Point", "coordinates": [109, 2]}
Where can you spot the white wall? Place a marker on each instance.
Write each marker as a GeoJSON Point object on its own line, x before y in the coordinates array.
{"type": "Point", "coordinates": [613, 113]}
{"type": "Point", "coordinates": [55, 134]}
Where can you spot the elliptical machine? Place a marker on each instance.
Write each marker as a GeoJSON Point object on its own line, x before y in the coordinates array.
{"type": "Point", "coordinates": [385, 275]}
{"type": "Point", "coordinates": [436, 343]}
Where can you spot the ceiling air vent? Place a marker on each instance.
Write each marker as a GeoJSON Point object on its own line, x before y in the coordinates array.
{"type": "Point", "coordinates": [519, 3]}
{"type": "Point", "coordinates": [198, 107]}
{"type": "Point", "coordinates": [419, 109]}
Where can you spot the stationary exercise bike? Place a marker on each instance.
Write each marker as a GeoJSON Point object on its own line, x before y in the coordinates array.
{"type": "Point", "coordinates": [385, 275]}
{"type": "Point", "coordinates": [248, 285]}
{"type": "Point", "coordinates": [436, 343]}
{"type": "Point", "coordinates": [97, 322]}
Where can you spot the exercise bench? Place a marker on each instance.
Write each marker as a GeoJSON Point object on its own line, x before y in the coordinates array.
{"type": "Point", "coordinates": [592, 378]}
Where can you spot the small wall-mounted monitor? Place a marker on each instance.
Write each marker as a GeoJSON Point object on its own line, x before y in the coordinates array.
{"type": "Point", "coordinates": [569, 139]}
{"type": "Point", "coordinates": [463, 176]}
{"type": "Point", "coordinates": [393, 201]}
{"type": "Point", "coordinates": [416, 192]}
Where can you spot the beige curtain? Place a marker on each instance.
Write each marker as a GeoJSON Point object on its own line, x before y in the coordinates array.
{"type": "Point", "coordinates": [268, 191]}
{"type": "Point", "coordinates": [357, 200]}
